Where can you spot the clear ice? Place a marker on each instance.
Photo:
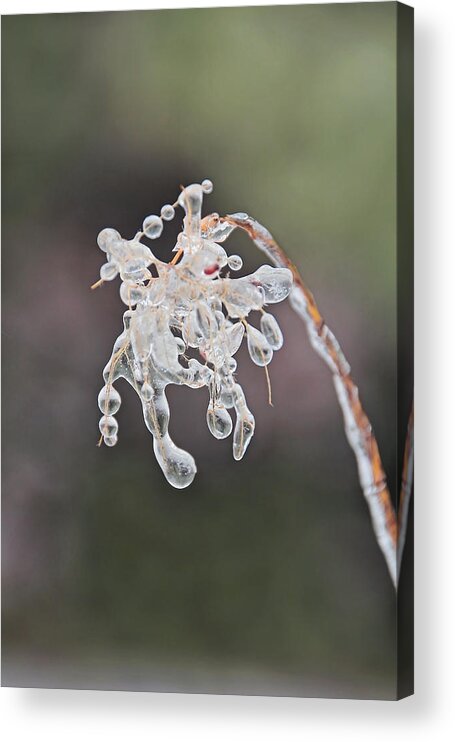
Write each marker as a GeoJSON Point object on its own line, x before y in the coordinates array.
{"type": "Point", "coordinates": [190, 302]}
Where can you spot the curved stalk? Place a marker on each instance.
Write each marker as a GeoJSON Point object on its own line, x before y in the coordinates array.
{"type": "Point", "coordinates": [358, 429]}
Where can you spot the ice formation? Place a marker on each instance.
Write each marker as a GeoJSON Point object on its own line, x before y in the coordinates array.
{"type": "Point", "coordinates": [193, 302]}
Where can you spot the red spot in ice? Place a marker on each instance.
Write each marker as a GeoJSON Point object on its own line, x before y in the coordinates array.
{"type": "Point", "coordinates": [211, 269]}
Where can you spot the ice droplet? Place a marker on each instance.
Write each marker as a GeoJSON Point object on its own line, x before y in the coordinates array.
{"type": "Point", "coordinates": [108, 426]}
{"type": "Point", "coordinates": [260, 351]}
{"type": "Point", "coordinates": [109, 400]}
{"type": "Point", "coordinates": [207, 186]}
{"type": "Point", "coordinates": [108, 271]}
{"type": "Point", "coordinates": [105, 238]}
{"type": "Point", "coordinates": [178, 466]}
{"type": "Point", "coordinates": [243, 433]}
{"type": "Point", "coordinates": [235, 262]}
{"type": "Point", "coordinates": [167, 212]}
{"type": "Point", "coordinates": [276, 282]}
{"type": "Point", "coordinates": [152, 226]}
{"type": "Point", "coordinates": [219, 421]}
{"type": "Point", "coordinates": [271, 331]}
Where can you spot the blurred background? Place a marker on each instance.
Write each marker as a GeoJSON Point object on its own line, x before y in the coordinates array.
{"type": "Point", "coordinates": [264, 576]}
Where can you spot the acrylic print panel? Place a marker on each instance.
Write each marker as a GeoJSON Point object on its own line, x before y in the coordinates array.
{"type": "Point", "coordinates": [254, 536]}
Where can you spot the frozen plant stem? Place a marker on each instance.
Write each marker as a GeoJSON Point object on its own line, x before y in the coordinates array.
{"type": "Point", "coordinates": [390, 534]}
{"type": "Point", "coordinates": [195, 303]}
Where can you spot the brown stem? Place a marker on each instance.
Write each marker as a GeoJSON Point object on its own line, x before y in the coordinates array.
{"type": "Point", "coordinates": [359, 431]}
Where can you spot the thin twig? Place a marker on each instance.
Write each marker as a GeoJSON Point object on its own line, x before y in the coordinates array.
{"type": "Point", "coordinates": [358, 428]}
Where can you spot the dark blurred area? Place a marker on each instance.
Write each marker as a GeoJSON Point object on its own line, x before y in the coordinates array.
{"type": "Point", "coordinates": [264, 576]}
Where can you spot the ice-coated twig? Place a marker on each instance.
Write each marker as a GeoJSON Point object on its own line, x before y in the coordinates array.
{"type": "Point", "coordinates": [193, 305]}
{"type": "Point", "coordinates": [359, 431]}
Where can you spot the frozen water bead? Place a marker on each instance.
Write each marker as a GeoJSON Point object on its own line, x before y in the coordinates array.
{"type": "Point", "coordinates": [152, 226]}
{"type": "Point", "coordinates": [207, 186]}
{"type": "Point", "coordinates": [234, 337]}
{"type": "Point", "coordinates": [235, 262]}
{"type": "Point", "coordinates": [219, 421]}
{"type": "Point", "coordinates": [108, 271]}
{"type": "Point", "coordinates": [109, 400]}
{"type": "Point", "coordinates": [276, 282]}
{"type": "Point", "coordinates": [106, 237]}
{"type": "Point", "coordinates": [271, 331]}
{"type": "Point", "coordinates": [245, 424]}
{"type": "Point", "coordinates": [110, 440]}
{"type": "Point", "coordinates": [108, 426]}
{"type": "Point", "coordinates": [178, 466]}
{"type": "Point", "coordinates": [167, 212]}
{"type": "Point", "coordinates": [260, 351]}
{"type": "Point", "coordinates": [243, 433]}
